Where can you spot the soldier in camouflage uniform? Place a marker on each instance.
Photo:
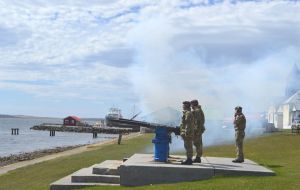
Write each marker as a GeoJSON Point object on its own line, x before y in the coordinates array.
{"type": "Point", "coordinates": [198, 124]}
{"type": "Point", "coordinates": [239, 126]}
{"type": "Point", "coordinates": [187, 132]}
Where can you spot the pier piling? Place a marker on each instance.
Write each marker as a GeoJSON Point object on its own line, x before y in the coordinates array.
{"type": "Point", "coordinates": [120, 138]}
{"type": "Point", "coordinates": [95, 134]}
{"type": "Point", "coordinates": [14, 131]}
{"type": "Point", "coordinates": [52, 133]}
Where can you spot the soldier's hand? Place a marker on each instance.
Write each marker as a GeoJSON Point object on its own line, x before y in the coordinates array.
{"type": "Point", "coordinates": [182, 135]}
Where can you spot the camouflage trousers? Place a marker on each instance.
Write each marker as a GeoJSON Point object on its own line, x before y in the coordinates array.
{"type": "Point", "coordinates": [188, 145]}
{"type": "Point", "coordinates": [239, 138]}
{"type": "Point", "coordinates": [197, 140]}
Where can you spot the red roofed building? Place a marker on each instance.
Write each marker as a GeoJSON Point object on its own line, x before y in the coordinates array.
{"type": "Point", "coordinates": [72, 121]}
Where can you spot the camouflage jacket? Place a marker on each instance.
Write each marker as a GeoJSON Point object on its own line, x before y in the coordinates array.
{"type": "Point", "coordinates": [239, 122]}
{"type": "Point", "coordinates": [198, 120]}
{"type": "Point", "coordinates": [186, 126]}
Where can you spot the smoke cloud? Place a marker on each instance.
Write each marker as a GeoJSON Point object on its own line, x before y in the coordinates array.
{"type": "Point", "coordinates": [224, 55]}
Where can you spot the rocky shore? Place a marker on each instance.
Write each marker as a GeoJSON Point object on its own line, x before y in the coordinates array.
{"type": "Point", "coordinates": [32, 155]}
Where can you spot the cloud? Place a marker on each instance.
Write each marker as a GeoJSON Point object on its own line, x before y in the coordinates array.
{"type": "Point", "coordinates": [118, 57]}
{"type": "Point", "coordinates": [67, 44]}
{"type": "Point", "coordinates": [8, 37]}
{"type": "Point", "coordinates": [155, 52]}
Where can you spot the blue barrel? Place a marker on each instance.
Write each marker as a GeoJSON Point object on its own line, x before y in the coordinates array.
{"type": "Point", "coordinates": [161, 144]}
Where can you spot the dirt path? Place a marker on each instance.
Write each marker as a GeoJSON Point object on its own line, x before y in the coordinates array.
{"type": "Point", "coordinates": [17, 165]}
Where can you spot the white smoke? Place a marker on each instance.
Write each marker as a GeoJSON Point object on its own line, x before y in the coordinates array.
{"type": "Point", "coordinates": [225, 55]}
{"type": "Point", "coordinates": [165, 75]}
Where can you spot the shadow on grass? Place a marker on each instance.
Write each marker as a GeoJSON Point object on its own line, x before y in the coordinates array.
{"type": "Point", "coordinates": [271, 165]}
{"type": "Point", "coordinates": [274, 166]}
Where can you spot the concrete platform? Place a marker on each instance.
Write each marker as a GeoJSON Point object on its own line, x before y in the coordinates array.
{"type": "Point", "coordinates": [99, 174]}
{"type": "Point", "coordinates": [108, 167]}
{"type": "Point", "coordinates": [225, 167]}
{"type": "Point", "coordinates": [140, 169]}
{"type": "Point", "coordinates": [85, 175]}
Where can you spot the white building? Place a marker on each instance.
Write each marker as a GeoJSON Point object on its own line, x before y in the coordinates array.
{"type": "Point", "coordinates": [275, 116]}
{"type": "Point", "coordinates": [286, 113]}
{"type": "Point", "coordinates": [291, 110]}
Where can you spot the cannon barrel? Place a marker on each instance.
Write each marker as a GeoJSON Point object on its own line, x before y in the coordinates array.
{"type": "Point", "coordinates": [175, 130]}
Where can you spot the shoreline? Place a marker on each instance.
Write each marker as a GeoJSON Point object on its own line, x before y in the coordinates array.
{"type": "Point", "coordinates": [24, 156]}
{"type": "Point", "coordinates": [72, 151]}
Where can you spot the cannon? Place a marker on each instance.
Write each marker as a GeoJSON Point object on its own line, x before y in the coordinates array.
{"type": "Point", "coordinates": [162, 137]}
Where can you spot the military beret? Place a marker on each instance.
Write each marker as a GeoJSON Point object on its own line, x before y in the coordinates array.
{"type": "Point", "coordinates": [238, 108]}
{"type": "Point", "coordinates": [195, 102]}
{"type": "Point", "coordinates": [186, 103]}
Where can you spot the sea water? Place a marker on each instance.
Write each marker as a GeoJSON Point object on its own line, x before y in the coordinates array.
{"type": "Point", "coordinates": [30, 140]}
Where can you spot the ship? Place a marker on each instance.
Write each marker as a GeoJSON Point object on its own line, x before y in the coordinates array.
{"type": "Point", "coordinates": [116, 113]}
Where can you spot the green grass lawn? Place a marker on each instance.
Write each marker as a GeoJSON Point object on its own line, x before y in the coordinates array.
{"type": "Point", "coordinates": [278, 151]}
{"type": "Point", "coordinates": [39, 176]}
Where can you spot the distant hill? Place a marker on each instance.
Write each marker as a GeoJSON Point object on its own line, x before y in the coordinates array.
{"type": "Point", "coordinates": [25, 116]}
{"type": "Point", "coordinates": [7, 116]}
{"type": "Point", "coordinates": [35, 117]}
{"type": "Point", "coordinates": [166, 115]}
{"type": "Point", "coordinates": [40, 117]}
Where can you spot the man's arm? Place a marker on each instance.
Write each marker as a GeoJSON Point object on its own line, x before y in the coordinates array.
{"type": "Point", "coordinates": [189, 125]}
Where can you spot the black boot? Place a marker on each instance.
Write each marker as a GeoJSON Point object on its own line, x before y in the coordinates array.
{"type": "Point", "coordinates": [188, 161]}
{"type": "Point", "coordinates": [238, 160]}
{"type": "Point", "coordinates": [197, 159]}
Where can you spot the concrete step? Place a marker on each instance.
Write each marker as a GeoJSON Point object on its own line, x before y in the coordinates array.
{"type": "Point", "coordinates": [85, 175]}
{"type": "Point", "coordinates": [108, 167]}
{"type": "Point", "coordinates": [105, 173]}
{"type": "Point", "coordinates": [66, 184]}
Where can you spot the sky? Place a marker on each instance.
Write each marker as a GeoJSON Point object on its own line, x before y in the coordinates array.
{"type": "Point", "coordinates": [72, 57]}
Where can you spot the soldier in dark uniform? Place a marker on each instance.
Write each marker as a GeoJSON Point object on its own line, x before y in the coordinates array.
{"type": "Point", "coordinates": [187, 132]}
{"type": "Point", "coordinates": [198, 124]}
{"type": "Point", "coordinates": [239, 126]}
